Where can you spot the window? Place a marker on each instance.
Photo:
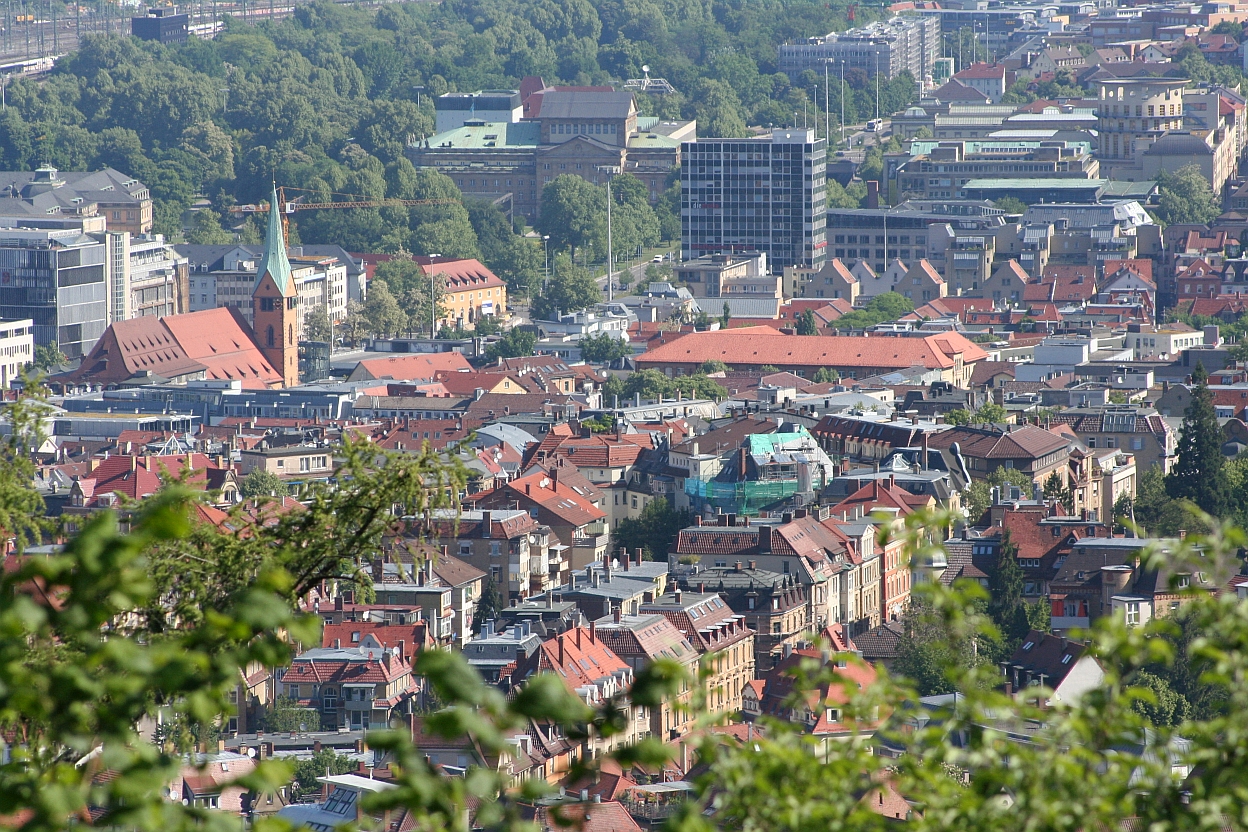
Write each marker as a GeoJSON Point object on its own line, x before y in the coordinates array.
{"type": "Point", "coordinates": [775, 628]}
{"type": "Point", "coordinates": [1133, 613]}
{"type": "Point", "coordinates": [1066, 659]}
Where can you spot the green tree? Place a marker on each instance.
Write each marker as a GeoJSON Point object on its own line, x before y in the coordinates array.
{"type": "Point", "coordinates": [826, 375]}
{"type": "Point", "coordinates": [285, 714]}
{"type": "Point", "coordinates": [725, 317]}
{"type": "Point", "coordinates": [978, 496]}
{"type": "Point", "coordinates": [317, 326]}
{"type": "Point", "coordinates": [1198, 474]}
{"type": "Point", "coordinates": [324, 763]}
{"type": "Point", "coordinates": [888, 306]}
{"type": "Point", "coordinates": [929, 652]}
{"type": "Point", "coordinates": [1010, 205]}
{"type": "Point", "coordinates": [1186, 196]}
{"type": "Point", "coordinates": [382, 314]}
{"type": "Point", "coordinates": [354, 325]}
{"type": "Point", "coordinates": [1006, 606]}
{"type": "Point", "coordinates": [261, 483]}
{"type": "Point", "coordinates": [604, 348]}
{"type": "Point", "coordinates": [872, 167]}
{"type": "Point", "coordinates": [806, 323]}
{"type": "Point", "coordinates": [958, 416]}
{"type": "Point", "coordinates": [990, 413]}
{"type": "Point", "coordinates": [713, 365]}
{"type": "Point", "coordinates": [1056, 489]}
{"type": "Point", "coordinates": [206, 230]}
{"type": "Point", "coordinates": [571, 289]}
{"type": "Point", "coordinates": [489, 605]}
{"type": "Point", "coordinates": [515, 344]}
{"type": "Point", "coordinates": [654, 530]}
{"type": "Point", "coordinates": [48, 356]}
{"type": "Point", "coordinates": [574, 213]}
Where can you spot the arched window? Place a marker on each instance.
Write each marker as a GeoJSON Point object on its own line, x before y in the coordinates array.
{"type": "Point", "coordinates": [268, 336]}
{"type": "Point", "coordinates": [290, 333]}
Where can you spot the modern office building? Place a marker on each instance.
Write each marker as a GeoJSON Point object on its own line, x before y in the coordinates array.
{"type": "Point", "coordinates": [162, 24]}
{"type": "Point", "coordinates": [57, 278]}
{"type": "Point", "coordinates": [763, 194]}
{"type": "Point", "coordinates": [902, 44]}
{"type": "Point", "coordinates": [940, 169]}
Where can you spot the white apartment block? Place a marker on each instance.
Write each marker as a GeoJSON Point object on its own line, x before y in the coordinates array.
{"type": "Point", "coordinates": [17, 349]}
{"type": "Point", "coordinates": [320, 282]}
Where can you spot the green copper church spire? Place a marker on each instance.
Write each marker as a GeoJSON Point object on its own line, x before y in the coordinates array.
{"type": "Point", "coordinates": [275, 262]}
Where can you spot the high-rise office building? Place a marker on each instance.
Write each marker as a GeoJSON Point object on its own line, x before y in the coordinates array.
{"type": "Point", "coordinates": [762, 194]}
{"type": "Point", "coordinates": [55, 277]}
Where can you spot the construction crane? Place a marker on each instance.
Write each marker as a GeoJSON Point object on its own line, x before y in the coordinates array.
{"type": "Point", "coordinates": [355, 201]}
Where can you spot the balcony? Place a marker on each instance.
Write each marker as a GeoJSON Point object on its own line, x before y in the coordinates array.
{"type": "Point", "coordinates": [1068, 622]}
{"type": "Point", "coordinates": [593, 541]}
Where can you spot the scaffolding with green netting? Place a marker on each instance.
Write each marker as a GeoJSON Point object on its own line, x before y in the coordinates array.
{"type": "Point", "coordinates": [740, 497]}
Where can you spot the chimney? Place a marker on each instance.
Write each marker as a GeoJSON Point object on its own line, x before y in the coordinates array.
{"type": "Point", "coordinates": [487, 518]}
{"type": "Point", "coordinates": [676, 595]}
{"type": "Point", "coordinates": [593, 632]}
{"type": "Point", "coordinates": [638, 551]}
{"type": "Point", "coordinates": [873, 194]}
{"type": "Point", "coordinates": [618, 614]}
{"type": "Point", "coordinates": [402, 648]}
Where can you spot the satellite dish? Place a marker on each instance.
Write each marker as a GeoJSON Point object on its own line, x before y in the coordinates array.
{"type": "Point", "coordinates": [645, 68]}
{"type": "Point", "coordinates": [251, 752]}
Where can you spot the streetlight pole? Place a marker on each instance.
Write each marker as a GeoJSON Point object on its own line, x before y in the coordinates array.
{"type": "Point", "coordinates": [546, 257]}
{"type": "Point", "coordinates": [609, 170]}
{"type": "Point", "coordinates": [842, 101]}
{"type": "Point", "coordinates": [827, 114]}
{"type": "Point", "coordinates": [433, 300]}
{"type": "Point", "coordinates": [610, 252]}
{"type": "Point", "coordinates": [877, 86]}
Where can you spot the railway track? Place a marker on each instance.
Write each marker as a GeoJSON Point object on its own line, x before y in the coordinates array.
{"type": "Point", "coordinates": [33, 35]}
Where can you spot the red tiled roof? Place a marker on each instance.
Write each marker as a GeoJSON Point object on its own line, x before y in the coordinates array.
{"type": "Point", "coordinates": [981, 70]}
{"type": "Point", "coordinates": [413, 637]}
{"type": "Point", "coordinates": [216, 342]}
{"type": "Point", "coordinates": [876, 352]}
{"type": "Point", "coordinates": [1140, 265]}
{"type": "Point", "coordinates": [466, 273]}
{"type": "Point", "coordinates": [409, 367]}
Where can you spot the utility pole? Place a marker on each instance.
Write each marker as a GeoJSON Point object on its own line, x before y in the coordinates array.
{"type": "Point", "coordinates": [877, 84]}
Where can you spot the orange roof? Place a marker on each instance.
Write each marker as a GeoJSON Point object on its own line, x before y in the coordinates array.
{"type": "Point", "coordinates": [876, 352]}
{"type": "Point", "coordinates": [461, 274]}
{"type": "Point", "coordinates": [404, 367]}
{"type": "Point", "coordinates": [216, 342]}
{"type": "Point", "coordinates": [224, 344]}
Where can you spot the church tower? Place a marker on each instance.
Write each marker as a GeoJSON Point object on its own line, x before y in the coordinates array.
{"type": "Point", "coordinates": [274, 302]}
